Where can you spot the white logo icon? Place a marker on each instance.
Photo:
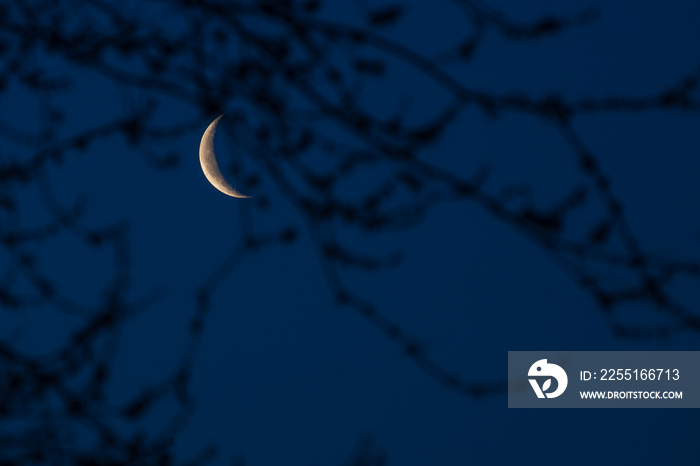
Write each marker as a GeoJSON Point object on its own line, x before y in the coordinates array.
{"type": "Point", "coordinates": [543, 369]}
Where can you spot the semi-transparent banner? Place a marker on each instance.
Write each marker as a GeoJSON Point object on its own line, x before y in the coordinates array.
{"type": "Point", "coordinates": [604, 379]}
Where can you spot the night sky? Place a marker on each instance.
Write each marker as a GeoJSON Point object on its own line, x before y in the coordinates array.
{"type": "Point", "coordinates": [282, 371]}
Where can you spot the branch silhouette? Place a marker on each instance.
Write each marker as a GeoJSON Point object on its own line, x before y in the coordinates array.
{"type": "Point", "coordinates": [293, 84]}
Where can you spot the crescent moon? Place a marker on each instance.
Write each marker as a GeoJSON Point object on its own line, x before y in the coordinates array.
{"type": "Point", "coordinates": [210, 167]}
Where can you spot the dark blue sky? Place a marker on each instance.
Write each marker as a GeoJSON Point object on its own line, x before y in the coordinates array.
{"type": "Point", "coordinates": [284, 376]}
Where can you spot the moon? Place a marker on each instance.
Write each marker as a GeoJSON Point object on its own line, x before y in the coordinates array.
{"type": "Point", "coordinates": [210, 167]}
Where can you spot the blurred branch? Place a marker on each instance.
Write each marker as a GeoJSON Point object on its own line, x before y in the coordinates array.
{"type": "Point", "coordinates": [293, 81]}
